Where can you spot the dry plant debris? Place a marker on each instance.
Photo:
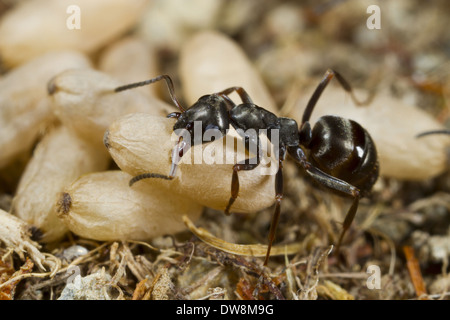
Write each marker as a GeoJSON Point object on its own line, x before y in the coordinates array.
{"type": "Point", "coordinates": [72, 228]}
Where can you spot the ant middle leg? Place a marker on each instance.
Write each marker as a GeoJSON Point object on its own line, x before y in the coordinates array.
{"type": "Point", "coordinates": [278, 198]}
{"type": "Point", "coordinates": [240, 91]}
{"type": "Point", "coordinates": [235, 180]}
{"type": "Point", "coordinates": [247, 164]}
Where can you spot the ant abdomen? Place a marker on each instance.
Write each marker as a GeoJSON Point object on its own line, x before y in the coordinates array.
{"type": "Point", "coordinates": [345, 150]}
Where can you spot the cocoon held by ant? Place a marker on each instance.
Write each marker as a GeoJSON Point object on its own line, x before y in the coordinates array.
{"type": "Point", "coordinates": [141, 143]}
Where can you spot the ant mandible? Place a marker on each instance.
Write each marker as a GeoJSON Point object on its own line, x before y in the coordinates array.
{"type": "Point", "coordinates": [337, 153]}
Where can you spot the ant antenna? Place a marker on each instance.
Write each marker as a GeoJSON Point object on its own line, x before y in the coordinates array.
{"type": "Point", "coordinates": [426, 133]}
{"type": "Point", "coordinates": [148, 176]}
{"type": "Point", "coordinates": [150, 81]}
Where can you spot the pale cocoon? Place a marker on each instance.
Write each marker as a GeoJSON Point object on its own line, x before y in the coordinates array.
{"type": "Point", "coordinates": [129, 60]}
{"type": "Point", "coordinates": [84, 100]}
{"type": "Point", "coordinates": [211, 62]}
{"type": "Point", "coordinates": [102, 206]}
{"type": "Point", "coordinates": [393, 125]}
{"type": "Point", "coordinates": [142, 143]}
{"type": "Point", "coordinates": [59, 159]}
{"type": "Point", "coordinates": [37, 26]}
{"type": "Point", "coordinates": [25, 106]}
{"type": "Point", "coordinates": [166, 24]}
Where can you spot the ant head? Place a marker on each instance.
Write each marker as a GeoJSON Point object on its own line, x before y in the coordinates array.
{"type": "Point", "coordinates": [209, 112]}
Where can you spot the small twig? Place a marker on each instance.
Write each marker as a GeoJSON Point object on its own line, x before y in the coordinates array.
{"type": "Point", "coordinates": [203, 280]}
{"type": "Point", "coordinates": [186, 260]}
{"type": "Point", "coordinates": [249, 268]}
{"type": "Point", "coordinates": [290, 277]}
{"type": "Point", "coordinates": [221, 291]}
{"type": "Point", "coordinates": [83, 258]}
{"type": "Point", "coordinates": [121, 295]}
{"type": "Point", "coordinates": [7, 254]}
{"type": "Point", "coordinates": [147, 245]}
{"type": "Point", "coordinates": [312, 270]}
{"type": "Point", "coordinates": [47, 283]}
{"type": "Point", "coordinates": [120, 270]}
{"type": "Point", "coordinates": [136, 268]}
{"type": "Point", "coordinates": [57, 263]}
{"type": "Point", "coordinates": [255, 250]}
{"type": "Point", "coordinates": [24, 276]}
{"type": "Point", "coordinates": [391, 247]}
{"type": "Point", "coordinates": [414, 272]}
{"type": "Point", "coordinates": [140, 289]}
{"type": "Point", "coordinates": [349, 275]}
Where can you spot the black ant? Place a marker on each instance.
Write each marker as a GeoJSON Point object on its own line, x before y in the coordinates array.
{"type": "Point", "coordinates": [337, 153]}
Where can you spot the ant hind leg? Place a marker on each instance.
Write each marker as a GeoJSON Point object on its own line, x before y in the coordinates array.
{"type": "Point", "coordinates": [333, 183]}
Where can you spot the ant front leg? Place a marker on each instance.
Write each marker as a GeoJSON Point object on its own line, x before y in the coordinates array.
{"type": "Point", "coordinates": [278, 197]}
{"type": "Point", "coordinates": [331, 183]}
